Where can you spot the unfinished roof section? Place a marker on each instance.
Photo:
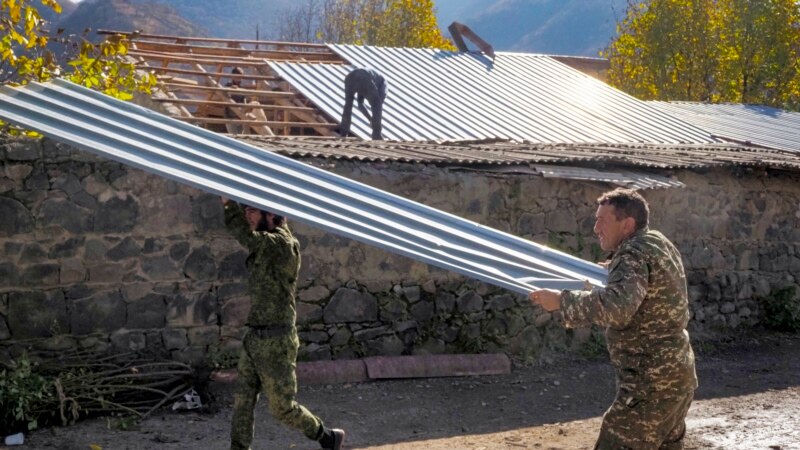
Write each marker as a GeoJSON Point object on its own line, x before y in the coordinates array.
{"type": "Point", "coordinates": [198, 83]}
{"type": "Point", "coordinates": [220, 165]}
{"type": "Point", "coordinates": [441, 95]}
{"type": "Point", "coordinates": [748, 124]}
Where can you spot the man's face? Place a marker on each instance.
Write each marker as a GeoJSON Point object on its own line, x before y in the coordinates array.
{"type": "Point", "coordinates": [609, 230]}
{"type": "Point", "coordinates": [254, 219]}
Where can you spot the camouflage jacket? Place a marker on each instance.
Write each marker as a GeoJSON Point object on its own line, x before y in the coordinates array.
{"type": "Point", "coordinates": [274, 263]}
{"type": "Point", "coordinates": [644, 309]}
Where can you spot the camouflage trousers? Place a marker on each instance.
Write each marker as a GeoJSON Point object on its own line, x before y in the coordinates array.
{"type": "Point", "coordinates": [267, 365]}
{"type": "Point", "coordinates": [644, 424]}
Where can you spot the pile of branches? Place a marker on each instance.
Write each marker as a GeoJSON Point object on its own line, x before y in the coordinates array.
{"type": "Point", "coordinates": [87, 384]}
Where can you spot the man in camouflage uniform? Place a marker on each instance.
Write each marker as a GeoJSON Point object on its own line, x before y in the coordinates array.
{"type": "Point", "coordinates": [269, 351]}
{"type": "Point", "coordinates": [364, 84]}
{"type": "Point", "coordinates": [644, 310]}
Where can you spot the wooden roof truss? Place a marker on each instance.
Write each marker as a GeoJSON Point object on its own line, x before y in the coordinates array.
{"type": "Point", "coordinates": [195, 83]}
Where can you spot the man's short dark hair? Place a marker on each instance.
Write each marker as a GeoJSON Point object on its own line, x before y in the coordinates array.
{"type": "Point", "coordinates": [627, 203]}
{"type": "Point", "coordinates": [276, 219]}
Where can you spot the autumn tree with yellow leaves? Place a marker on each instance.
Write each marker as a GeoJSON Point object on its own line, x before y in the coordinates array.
{"type": "Point", "coordinates": [743, 51]}
{"type": "Point", "coordinates": [26, 54]}
{"type": "Point", "coordinates": [388, 23]}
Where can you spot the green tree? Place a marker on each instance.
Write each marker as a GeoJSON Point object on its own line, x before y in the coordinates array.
{"type": "Point", "coordinates": [709, 50]}
{"type": "Point", "coordinates": [26, 55]}
{"type": "Point", "coordinates": [395, 23]}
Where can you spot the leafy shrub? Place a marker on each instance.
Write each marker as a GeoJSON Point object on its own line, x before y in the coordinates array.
{"type": "Point", "coordinates": [23, 392]}
{"type": "Point", "coordinates": [782, 309]}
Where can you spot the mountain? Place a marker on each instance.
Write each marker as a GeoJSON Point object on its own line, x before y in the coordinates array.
{"type": "Point", "coordinates": [125, 15]}
{"type": "Point", "coordinates": [562, 27]}
{"type": "Point", "coordinates": [232, 19]}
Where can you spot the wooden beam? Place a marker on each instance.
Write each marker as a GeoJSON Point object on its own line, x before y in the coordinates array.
{"type": "Point", "coordinates": [190, 58]}
{"type": "Point", "coordinates": [136, 36]}
{"type": "Point", "coordinates": [213, 74]}
{"type": "Point", "coordinates": [233, 52]}
{"type": "Point", "coordinates": [269, 123]}
{"type": "Point", "coordinates": [244, 92]}
{"type": "Point", "coordinates": [277, 107]}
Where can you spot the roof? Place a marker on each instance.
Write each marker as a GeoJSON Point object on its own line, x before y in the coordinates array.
{"type": "Point", "coordinates": [750, 124]}
{"type": "Point", "coordinates": [639, 156]}
{"type": "Point", "coordinates": [220, 165]}
{"type": "Point", "coordinates": [441, 95]}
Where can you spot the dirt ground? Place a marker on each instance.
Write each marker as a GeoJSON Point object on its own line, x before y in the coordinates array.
{"type": "Point", "coordinates": [749, 398]}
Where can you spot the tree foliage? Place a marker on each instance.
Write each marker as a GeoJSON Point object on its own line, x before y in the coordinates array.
{"type": "Point", "coordinates": [743, 51]}
{"type": "Point", "coordinates": [26, 54]}
{"type": "Point", "coordinates": [390, 23]}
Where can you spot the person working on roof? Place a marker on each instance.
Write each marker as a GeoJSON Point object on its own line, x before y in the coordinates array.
{"type": "Point", "coordinates": [269, 348]}
{"type": "Point", "coordinates": [366, 84]}
{"type": "Point", "coordinates": [644, 310]}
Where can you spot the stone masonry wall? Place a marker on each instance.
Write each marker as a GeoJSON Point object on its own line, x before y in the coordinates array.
{"type": "Point", "coordinates": [95, 255]}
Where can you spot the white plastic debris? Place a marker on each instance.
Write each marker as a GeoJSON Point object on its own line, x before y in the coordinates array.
{"type": "Point", "coordinates": [15, 439]}
{"type": "Point", "coordinates": [191, 400]}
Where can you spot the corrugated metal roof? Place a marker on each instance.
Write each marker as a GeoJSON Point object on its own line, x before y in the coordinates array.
{"type": "Point", "coordinates": [751, 124]}
{"type": "Point", "coordinates": [221, 165]}
{"type": "Point", "coordinates": [439, 95]}
{"type": "Point", "coordinates": [510, 153]}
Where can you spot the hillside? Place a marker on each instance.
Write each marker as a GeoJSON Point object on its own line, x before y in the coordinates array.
{"type": "Point", "coordinates": [128, 16]}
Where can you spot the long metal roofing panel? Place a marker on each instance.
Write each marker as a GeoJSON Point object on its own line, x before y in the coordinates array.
{"type": "Point", "coordinates": [222, 165]}
{"type": "Point", "coordinates": [440, 95]}
{"type": "Point", "coordinates": [752, 124]}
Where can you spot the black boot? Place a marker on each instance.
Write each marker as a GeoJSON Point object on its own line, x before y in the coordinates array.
{"type": "Point", "coordinates": [332, 438]}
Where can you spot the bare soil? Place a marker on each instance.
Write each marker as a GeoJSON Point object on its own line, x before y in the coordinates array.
{"type": "Point", "coordinates": [749, 398]}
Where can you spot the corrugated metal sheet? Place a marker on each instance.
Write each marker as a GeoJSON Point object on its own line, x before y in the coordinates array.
{"type": "Point", "coordinates": [649, 156]}
{"type": "Point", "coordinates": [751, 124]}
{"type": "Point", "coordinates": [220, 165]}
{"type": "Point", "coordinates": [439, 95]}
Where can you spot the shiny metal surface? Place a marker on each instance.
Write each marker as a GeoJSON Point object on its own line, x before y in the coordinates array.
{"type": "Point", "coordinates": [440, 95]}
{"type": "Point", "coordinates": [748, 124]}
{"type": "Point", "coordinates": [220, 165]}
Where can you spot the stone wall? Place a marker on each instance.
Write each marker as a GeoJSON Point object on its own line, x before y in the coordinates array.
{"type": "Point", "coordinates": [95, 255]}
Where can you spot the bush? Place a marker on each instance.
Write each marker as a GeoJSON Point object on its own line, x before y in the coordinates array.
{"type": "Point", "coordinates": [782, 310]}
{"type": "Point", "coordinates": [23, 393]}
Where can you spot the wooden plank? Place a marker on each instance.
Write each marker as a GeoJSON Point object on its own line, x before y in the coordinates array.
{"type": "Point", "coordinates": [213, 74]}
{"type": "Point", "coordinates": [227, 51]}
{"type": "Point", "coordinates": [136, 36]}
{"type": "Point", "coordinates": [190, 58]}
{"type": "Point", "coordinates": [276, 107]}
{"type": "Point", "coordinates": [269, 123]}
{"type": "Point", "coordinates": [245, 92]}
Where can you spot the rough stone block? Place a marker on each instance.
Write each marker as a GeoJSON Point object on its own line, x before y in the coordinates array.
{"type": "Point", "coordinates": [314, 352]}
{"type": "Point", "coordinates": [501, 303]}
{"type": "Point", "coordinates": [422, 311]}
{"type": "Point", "coordinates": [445, 302]}
{"type": "Point", "coordinates": [65, 214]}
{"type": "Point", "coordinates": [14, 217]}
{"type": "Point", "coordinates": [192, 310]}
{"type": "Point", "coordinates": [314, 294]}
{"type": "Point", "coordinates": [349, 305]}
{"type": "Point", "coordinates": [9, 276]}
{"type": "Point", "coordinates": [200, 265]}
{"type": "Point", "coordinates": [308, 312]}
{"type": "Point", "coordinates": [104, 312]}
{"type": "Point", "coordinates": [174, 339]}
{"type": "Point", "coordinates": [207, 213]}
{"type": "Point", "coordinates": [124, 341]}
{"type": "Point", "coordinates": [5, 333]}
{"type": "Point", "coordinates": [67, 248]}
{"type": "Point", "coordinates": [40, 275]}
{"type": "Point", "coordinates": [36, 314]}
{"type": "Point", "coordinates": [319, 337]}
{"type": "Point", "coordinates": [469, 302]}
{"type": "Point", "coordinates": [160, 267]}
{"type": "Point", "coordinates": [72, 271]}
{"type": "Point", "coordinates": [233, 266]}
{"type": "Point", "coordinates": [117, 215]}
{"type": "Point", "coordinates": [128, 248]}
{"type": "Point", "coordinates": [147, 312]}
